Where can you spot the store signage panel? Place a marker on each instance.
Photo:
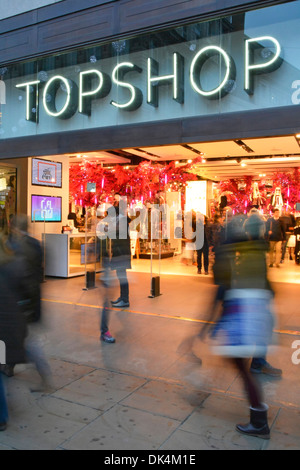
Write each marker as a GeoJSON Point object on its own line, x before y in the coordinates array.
{"type": "Point", "coordinates": [254, 68]}
{"type": "Point", "coordinates": [78, 99]}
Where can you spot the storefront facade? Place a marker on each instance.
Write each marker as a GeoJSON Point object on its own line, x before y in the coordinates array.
{"type": "Point", "coordinates": [127, 74]}
{"type": "Point", "coordinates": [204, 80]}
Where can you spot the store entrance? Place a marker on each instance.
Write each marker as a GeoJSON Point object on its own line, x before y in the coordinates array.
{"type": "Point", "coordinates": [199, 176]}
{"type": "Point", "coordinates": [203, 177]}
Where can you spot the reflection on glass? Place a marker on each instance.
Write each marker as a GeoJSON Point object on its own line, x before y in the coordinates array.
{"type": "Point", "coordinates": [8, 196]}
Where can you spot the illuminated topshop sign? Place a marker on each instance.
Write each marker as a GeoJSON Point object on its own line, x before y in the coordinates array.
{"type": "Point", "coordinates": [95, 84]}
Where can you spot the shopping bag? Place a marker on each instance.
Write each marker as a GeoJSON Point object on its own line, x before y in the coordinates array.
{"type": "Point", "coordinates": [245, 328]}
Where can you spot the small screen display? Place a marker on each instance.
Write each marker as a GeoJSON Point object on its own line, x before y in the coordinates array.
{"type": "Point", "coordinates": [46, 208]}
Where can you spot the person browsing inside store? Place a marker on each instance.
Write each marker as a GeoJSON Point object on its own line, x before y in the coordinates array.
{"type": "Point", "coordinates": [276, 235]}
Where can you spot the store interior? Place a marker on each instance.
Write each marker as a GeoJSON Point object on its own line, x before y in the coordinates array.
{"type": "Point", "coordinates": [63, 195]}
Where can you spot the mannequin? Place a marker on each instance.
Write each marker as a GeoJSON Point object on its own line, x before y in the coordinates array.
{"type": "Point", "coordinates": [255, 197]}
{"type": "Point", "coordinates": [277, 199]}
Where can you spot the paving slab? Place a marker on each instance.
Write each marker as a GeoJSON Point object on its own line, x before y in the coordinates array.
{"type": "Point", "coordinates": [169, 400]}
{"type": "Point", "coordinates": [214, 422]}
{"type": "Point", "coordinates": [158, 387]}
{"type": "Point", "coordinates": [100, 389]}
{"type": "Point", "coordinates": [124, 428]}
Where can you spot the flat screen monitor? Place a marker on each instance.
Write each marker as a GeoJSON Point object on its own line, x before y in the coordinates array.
{"type": "Point", "coordinates": [46, 173]}
{"type": "Point", "coordinates": [45, 208]}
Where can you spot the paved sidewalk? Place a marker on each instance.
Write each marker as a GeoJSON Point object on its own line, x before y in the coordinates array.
{"type": "Point", "coordinates": [158, 387]}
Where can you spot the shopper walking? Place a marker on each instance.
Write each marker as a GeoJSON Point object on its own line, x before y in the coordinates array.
{"type": "Point", "coordinates": [120, 250]}
{"type": "Point", "coordinates": [13, 329]}
{"type": "Point", "coordinates": [121, 258]}
{"type": "Point", "coordinates": [255, 230]}
{"type": "Point", "coordinates": [113, 232]}
{"type": "Point", "coordinates": [289, 222]}
{"type": "Point", "coordinates": [29, 249]}
{"type": "Point", "coordinates": [105, 223]}
{"type": "Point", "coordinates": [276, 235]}
{"type": "Point", "coordinates": [244, 327]}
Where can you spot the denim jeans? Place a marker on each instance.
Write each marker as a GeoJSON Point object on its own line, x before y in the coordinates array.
{"type": "Point", "coordinates": [105, 317]}
{"type": "Point", "coordinates": [3, 403]}
{"type": "Point", "coordinates": [35, 354]}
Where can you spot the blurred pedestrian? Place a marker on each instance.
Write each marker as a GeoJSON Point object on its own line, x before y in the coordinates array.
{"type": "Point", "coordinates": [255, 230]}
{"type": "Point", "coordinates": [29, 249]}
{"type": "Point", "coordinates": [121, 253]}
{"type": "Point", "coordinates": [255, 226]}
{"type": "Point", "coordinates": [244, 327]}
{"type": "Point", "coordinates": [13, 328]}
{"type": "Point", "coordinates": [275, 232]}
{"type": "Point", "coordinates": [105, 250]}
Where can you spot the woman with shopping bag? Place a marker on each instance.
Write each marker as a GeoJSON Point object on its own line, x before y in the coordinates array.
{"type": "Point", "coordinates": [245, 325]}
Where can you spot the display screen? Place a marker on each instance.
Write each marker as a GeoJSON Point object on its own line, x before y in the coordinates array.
{"type": "Point", "coordinates": [46, 173]}
{"type": "Point", "coordinates": [46, 208]}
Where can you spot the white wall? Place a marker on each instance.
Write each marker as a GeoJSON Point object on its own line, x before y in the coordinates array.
{"type": "Point", "coordinates": [37, 229]}
{"type": "Point", "coordinates": [15, 7]}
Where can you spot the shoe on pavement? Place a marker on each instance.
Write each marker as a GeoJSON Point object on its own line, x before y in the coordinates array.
{"type": "Point", "coordinates": [7, 370]}
{"type": "Point", "coordinates": [267, 369]}
{"type": "Point", "coordinates": [121, 304]}
{"type": "Point", "coordinates": [258, 426]}
{"type": "Point", "coordinates": [46, 386]}
{"type": "Point", "coordinates": [113, 302]}
{"type": "Point", "coordinates": [3, 427]}
{"type": "Point", "coordinates": [107, 338]}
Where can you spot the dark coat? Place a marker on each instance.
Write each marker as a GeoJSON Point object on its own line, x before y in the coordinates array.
{"type": "Point", "coordinates": [242, 265]}
{"type": "Point", "coordinates": [30, 250]}
{"type": "Point", "coordinates": [121, 250]}
{"type": "Point", "coordinates": [277, 229]}
{"type": "Point", "coordinates": [13, 326]}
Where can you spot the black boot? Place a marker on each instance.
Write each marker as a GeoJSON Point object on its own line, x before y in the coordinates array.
{"type": "Point", "coordinates": [258, 426]}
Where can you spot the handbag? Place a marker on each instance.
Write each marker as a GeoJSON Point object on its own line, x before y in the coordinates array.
{"type": "Point", "coordinates": [245, 328]}
{"type": "Point", "coordinates": [292, 241]}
